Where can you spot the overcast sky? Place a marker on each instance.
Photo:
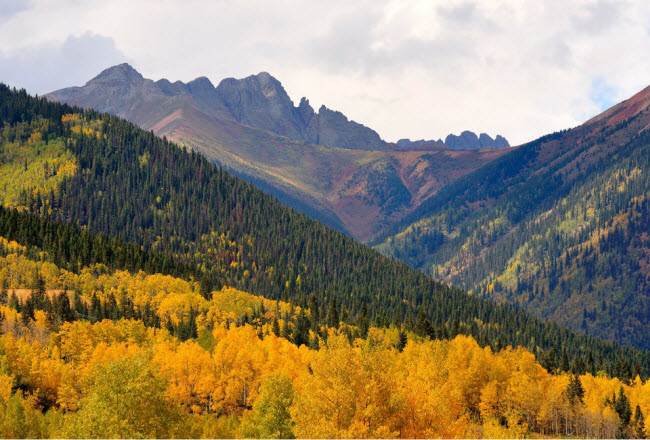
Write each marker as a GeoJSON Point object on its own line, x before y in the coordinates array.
{"type": "Point", "coordinates": [418, 69]}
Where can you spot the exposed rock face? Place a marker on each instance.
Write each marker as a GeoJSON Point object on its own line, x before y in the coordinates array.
{"type": "Point", "coordinates": [261, 101]}
{"type": "Point", "coordinates": [332, 128]}
{"type": "Point", "coordinates": [258, 101]}
{"type": "Point", "coordinates": [485, 141]}
{"type": "Point", "coordinates": [501, 142]}
{"type": "Point", "coordinates": [467, 140]}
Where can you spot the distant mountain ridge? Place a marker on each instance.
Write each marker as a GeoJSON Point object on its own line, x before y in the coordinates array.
{"type": "Point", "coordinates": [335, 170]}
{"type": "Point", "coordinates": [258, 101]}
{"type": "Point", "coordinates": [467, 140]}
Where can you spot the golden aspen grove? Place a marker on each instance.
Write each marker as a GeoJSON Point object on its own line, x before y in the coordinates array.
{"type": "Point", "coordinates": [243, 378]}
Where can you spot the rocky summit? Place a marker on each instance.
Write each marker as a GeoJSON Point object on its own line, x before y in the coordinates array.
{"type": "Point", "coordinates": [467, 140]}
{"type": "Point", "coordinates": [257, 101]}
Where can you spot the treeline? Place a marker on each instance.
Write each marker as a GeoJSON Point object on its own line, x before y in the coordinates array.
{"type": "Point", "coordinates": [170, 202]}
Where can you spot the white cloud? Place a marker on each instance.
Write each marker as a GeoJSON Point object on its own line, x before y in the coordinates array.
{"type": "Point", "coordinates": [53, 65]}
{"type": "Point", "coordinates": [407, 69]}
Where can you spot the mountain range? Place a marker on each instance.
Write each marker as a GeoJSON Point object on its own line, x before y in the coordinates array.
{"type": "Point", "coordinates": [335, 170]}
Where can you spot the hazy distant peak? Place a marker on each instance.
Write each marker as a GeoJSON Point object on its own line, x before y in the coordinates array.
{"type": "Point", "coordinates": [265, 76]}
{"type": "Point", "coordinates": [264, 79]}
{"type": "Point", "coordinates": [202, 81]}
{"type": "Point", "coordinates": [122, 71]}
{"type": "Point", "coordinates": [200, 86]}
{"type": "Point", "coordinates": [467, 140]}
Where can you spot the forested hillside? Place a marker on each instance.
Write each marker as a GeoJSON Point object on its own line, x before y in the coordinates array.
{"type": "Point", "coordinates": [558, 227]}
{"type": "Point", "coordinates": [211, 227]}
{"type": "Point", "coordinates": [97, 351]}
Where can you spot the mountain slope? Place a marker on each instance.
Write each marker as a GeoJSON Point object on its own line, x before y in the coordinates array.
{"type": "Point", "coordinates": [330, 168]}
{"type": "Point", "coordinates": [131, 185]}
{"type": "Point", "coordinates": [558, 226]}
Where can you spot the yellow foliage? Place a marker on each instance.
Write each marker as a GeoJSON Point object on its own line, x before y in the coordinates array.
{"type": "Point", "coordinates": [6, 383]}
{"type": "Point", "coordinates": [363, 389]}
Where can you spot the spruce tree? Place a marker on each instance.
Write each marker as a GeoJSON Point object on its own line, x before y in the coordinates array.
{"type": "Point", "coordinates": [564, 362]}
{"type": "Point", "coordinates": [363, 322]}
{"type": "Point", "coordinates": [301, 329]}
{"type": "Point", "coordinates": [333, 315]}
{"type": "Point", "coordinates": [575, 391]}
{"type": "Point", "coordinates": [639, 423]}
{"type": "Point", "coordinates": [315, 313]}
{"type": "Point", "coordinates": [622, 407]}
{"type": "Point", "coordinates": [401, 343]}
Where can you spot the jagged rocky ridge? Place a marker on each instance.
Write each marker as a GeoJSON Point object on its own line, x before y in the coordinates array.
{"type": "Point", "coordinates": [258, 101]}
{"type": "Point", "coordinates": [467, 140]}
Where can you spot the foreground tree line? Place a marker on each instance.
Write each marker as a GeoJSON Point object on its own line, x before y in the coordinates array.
{"type": "Point", "coordinates": [122, 379]}
{"type": "Point", "coordinates": [180, 362]}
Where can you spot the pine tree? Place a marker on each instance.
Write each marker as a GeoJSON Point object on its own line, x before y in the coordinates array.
{"type": "Point", "coordinates": [363, 322]}
{"type": "Point", "coordinates": [549, 360]}
{"type": "Point", "coordinates": [205, 288]}
{"type": "Point", "coordinates": [315, 313]}
{"type": "Point", "coordinates": [286, 331]}
{"type": "Point", "coordinates": [639, 423]}
{"type": "Point", "coordinates": [622, 408]}
{"type": "Point", "coordinates": [13, 301]}
{"type": "Point", "coordinates": [275, 327]}
{"type": "Point", "coordinates": [564, 362]}
{"type": "Point", "coordinates": [423, 326]}
{"type": "Point", "coordinates": [27, 312]}
{"type": "Point", "coordinates": [4, 296]}
{"type": "Point", "coordinates": [575, 391]}
{"type": "Point", "coordinates": [333, 315]}
{"type": "Point", "coordinates": [301, 329]}
{"type": "Point", "coordinates": [401, 343]}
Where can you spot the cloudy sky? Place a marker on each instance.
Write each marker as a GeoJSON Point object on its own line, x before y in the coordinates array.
{"type": "Point", "coordinates": [418, 69]}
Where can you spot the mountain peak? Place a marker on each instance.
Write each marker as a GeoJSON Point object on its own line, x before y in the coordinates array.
{"type": "Point", "coordinates": [266, 76]}
{"type": "Point", "coordinates": [201, 83]}
{"type": "Point", "coordinates": [124, 70]}
{"type": "Point", "coordinates": [467, 140]}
